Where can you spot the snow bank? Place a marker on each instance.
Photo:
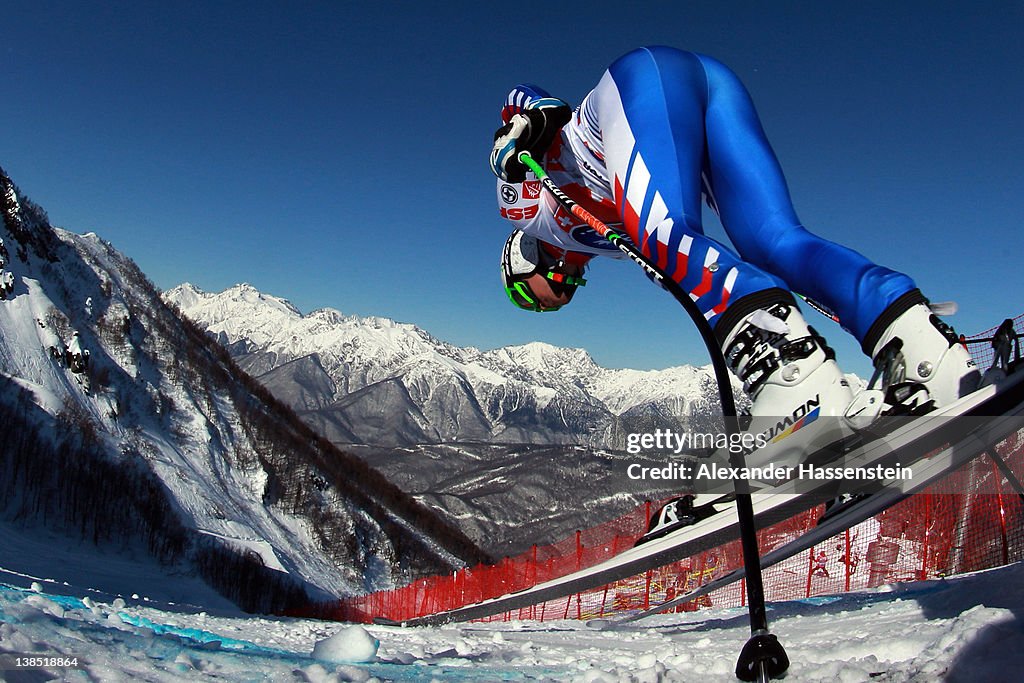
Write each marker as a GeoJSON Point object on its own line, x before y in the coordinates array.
{"type": "Point", "coordinates": [965, 629]}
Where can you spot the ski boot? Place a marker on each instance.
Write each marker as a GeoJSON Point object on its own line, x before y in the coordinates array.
{"type": "Point", "coordinates": [676, 514]}
{"type": "Point", "coordinates": [793, 381]}
{"type": "Point", "coordinates": [920, 363]}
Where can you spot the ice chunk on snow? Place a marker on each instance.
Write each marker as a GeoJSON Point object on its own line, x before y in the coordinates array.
{"type": "Point", "coordinates": [351, 644]}
{"type": "Point", "coordinates": [45, 605]}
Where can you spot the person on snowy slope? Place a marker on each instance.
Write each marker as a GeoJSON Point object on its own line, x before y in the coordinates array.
{"type": "Point", "coordinates": [661, 129]}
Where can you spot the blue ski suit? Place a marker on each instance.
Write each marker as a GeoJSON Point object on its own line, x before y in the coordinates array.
{"type": "Point", "coordinates": [662, 129]}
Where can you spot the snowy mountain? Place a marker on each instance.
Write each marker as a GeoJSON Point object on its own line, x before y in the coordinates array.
{"type": "Point", "coordinates": [515, 445]}
{"type": "Point", "coordinates": [376, 381]}
{"type": "Point", "coordinates": [127, 426]}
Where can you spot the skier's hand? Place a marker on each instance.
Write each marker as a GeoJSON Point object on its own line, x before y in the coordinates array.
{"type": "Point", "coordinates": [531, 131]}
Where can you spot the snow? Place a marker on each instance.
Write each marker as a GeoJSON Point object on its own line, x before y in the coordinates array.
{"type": "Point", "coordinates": [49, 562]}
{"type": "Point", "coordinates": [238, 539]}
{"type": "Point", "coordinates": [967, 628]}
{"type": "Point", "coordinates": [350, 644]}
{"type": "Point", "coordinates": [341, 372]}
{"type": "Point", "coordinates": [124, 617]}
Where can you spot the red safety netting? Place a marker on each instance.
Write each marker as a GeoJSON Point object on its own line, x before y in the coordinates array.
{"type": "Point", "coordinates": [932, 533]}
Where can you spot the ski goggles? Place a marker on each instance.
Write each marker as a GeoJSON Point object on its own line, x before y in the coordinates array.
{"type": "Point", "coordinates": [520, 259]}
{"type": "Point", "coordinates": [521, 295]}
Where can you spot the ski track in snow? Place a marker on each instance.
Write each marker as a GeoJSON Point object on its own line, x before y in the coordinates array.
{"type": "Point", "coordinates": [968, 628]}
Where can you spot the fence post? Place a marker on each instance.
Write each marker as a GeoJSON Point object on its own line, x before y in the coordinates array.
{"type": "Point", "coordinates": [927, 533]}
{"type": "Point", "coordinates": [533, 565]}
{"type": "Point", "coordinates": [1002, 514]}
{"type": "Point", "coordinates": [849, 560]}
{"type": "Point", "coordinates": [579, 550]}
{"type": "Point", "coordinates": [810, 571]}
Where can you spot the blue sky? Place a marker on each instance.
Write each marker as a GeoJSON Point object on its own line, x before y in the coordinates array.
{"type": "Point", "coordinates": [335, 153]}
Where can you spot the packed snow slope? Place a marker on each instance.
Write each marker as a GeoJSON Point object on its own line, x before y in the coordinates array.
{"type": "Point", "coordinates": [967, 629]}
{"type": "Point", "coordinates": [125, 425]}
{"type": "Point", "coordinates": [375, 381]}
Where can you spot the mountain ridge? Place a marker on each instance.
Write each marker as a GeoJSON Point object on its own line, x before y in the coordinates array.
{"type": "Point", "coordinates": [530, 393]}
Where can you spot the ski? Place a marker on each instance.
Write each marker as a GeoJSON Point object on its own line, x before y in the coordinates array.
{"type": "Point", "coordinates": [948, 437]}
{"type": "Point", "coordinates": [835, 523]}
{"type": "Point", "coordinates": [834, 509]}
{"type": "Point", "coordinates": [683, 513]}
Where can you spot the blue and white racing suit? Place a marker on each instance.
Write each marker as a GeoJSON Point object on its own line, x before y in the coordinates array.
{"type": "Point", "coordinates": [663, 128]}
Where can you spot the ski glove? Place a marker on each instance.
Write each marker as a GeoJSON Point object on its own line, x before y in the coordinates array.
{"type": "Point", "coordinates": [531, 131]}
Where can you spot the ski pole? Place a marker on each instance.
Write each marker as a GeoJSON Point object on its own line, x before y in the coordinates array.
{"type": "Point", "coordinates": [762, 657]}
{"type": "Point", "coordinates": [627, 247]}
{"type": "Point", "coordinates": [820, 308]}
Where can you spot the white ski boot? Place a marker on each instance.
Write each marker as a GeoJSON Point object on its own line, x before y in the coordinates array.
{"type": "Point", "coordinates": [920, 363]}
{"type": "Point", "coordinates": [798, 393]}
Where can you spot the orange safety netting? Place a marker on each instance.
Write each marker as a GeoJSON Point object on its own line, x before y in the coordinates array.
{"type": "Point", "coordinates": [927, 535]}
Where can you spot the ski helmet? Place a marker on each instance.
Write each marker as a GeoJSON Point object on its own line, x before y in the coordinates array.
{"type": "Point", "coordinates": [522, 257]}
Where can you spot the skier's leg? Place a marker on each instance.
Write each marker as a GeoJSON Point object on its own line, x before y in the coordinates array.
{"type": "Point", "coordinates": [652, 109]}
{"type": "Point", "coordinates": [757, 212]}
{"type": "Point", "coordinates": [652, 130]}
{"type": "Point", "coordinates": [876, 304]}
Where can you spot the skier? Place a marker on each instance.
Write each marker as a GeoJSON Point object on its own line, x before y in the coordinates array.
{"type": "Point", "coordinates": [661, 129]}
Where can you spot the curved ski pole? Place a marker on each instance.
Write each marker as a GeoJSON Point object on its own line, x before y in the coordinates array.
{"type": "Point", "coordinates": [707, 335]}
{"type": "Point", "coordinates": [763, 657]}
